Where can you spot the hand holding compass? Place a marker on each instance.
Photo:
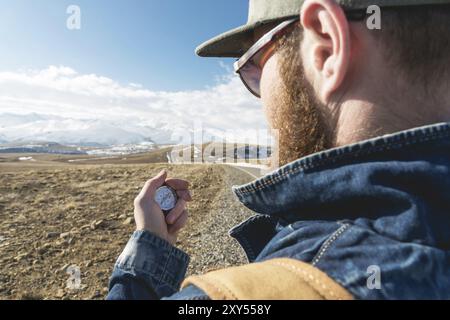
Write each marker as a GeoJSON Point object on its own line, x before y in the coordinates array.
{"type": "Point", "coordinates": [160, 207]}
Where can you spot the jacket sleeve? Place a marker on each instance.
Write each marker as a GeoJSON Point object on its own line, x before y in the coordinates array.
{"type": "Point", "coordinates": [149, 268]}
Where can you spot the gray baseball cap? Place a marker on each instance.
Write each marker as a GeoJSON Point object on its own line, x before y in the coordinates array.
{"type": "Point", "coordinates": [236, 42]}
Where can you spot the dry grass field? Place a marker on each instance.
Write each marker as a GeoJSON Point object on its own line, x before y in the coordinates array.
{"type": "Point", "coordinates": [54, 215]}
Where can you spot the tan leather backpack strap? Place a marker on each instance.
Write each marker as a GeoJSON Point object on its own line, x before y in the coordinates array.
{"type": "Point", "coordinates": [278, 279]}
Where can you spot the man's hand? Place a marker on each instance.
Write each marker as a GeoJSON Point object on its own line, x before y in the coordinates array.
{"type": "Point", "coordinates": [149, 216]}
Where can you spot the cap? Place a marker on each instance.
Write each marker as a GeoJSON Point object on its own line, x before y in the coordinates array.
{"type": "Point", "coordinates": [236, 42]}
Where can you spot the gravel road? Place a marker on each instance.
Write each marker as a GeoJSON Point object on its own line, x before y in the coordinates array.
{"type": "Point", "coordinates": [212, 247]}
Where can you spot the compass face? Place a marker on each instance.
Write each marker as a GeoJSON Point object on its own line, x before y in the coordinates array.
{"type": "Point", "coordinates": [166, 198]}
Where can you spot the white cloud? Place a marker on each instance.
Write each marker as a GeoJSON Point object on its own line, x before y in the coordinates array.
{"type": "Point", "coordinates": [59, 104]}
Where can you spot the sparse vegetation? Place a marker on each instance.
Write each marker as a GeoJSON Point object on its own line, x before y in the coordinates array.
{"type": "Point", "coordinates": [54, 215]}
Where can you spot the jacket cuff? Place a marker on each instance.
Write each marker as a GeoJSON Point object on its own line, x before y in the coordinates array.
{"type": "Point", "coordinates": [148, 257]}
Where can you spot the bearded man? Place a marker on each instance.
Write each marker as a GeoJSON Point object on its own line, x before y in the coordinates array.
{"type": "Point", "coordinates": [360, 209]}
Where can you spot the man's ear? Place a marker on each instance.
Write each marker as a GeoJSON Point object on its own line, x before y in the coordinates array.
{"type": "Point", "coordinates": [326, 45]}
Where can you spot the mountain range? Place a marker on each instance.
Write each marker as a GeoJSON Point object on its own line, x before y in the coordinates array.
{"type": "Point", "coordinates": [19, 129]}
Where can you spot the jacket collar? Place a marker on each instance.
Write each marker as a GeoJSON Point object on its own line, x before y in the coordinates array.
{"type": "Point", "coordinates": [404, 174]}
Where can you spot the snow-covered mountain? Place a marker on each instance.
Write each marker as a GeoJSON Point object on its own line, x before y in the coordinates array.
{"type": "Point", "coordinates": [27, 128]}
{"type": "Point", "coordinates": [34, 127]}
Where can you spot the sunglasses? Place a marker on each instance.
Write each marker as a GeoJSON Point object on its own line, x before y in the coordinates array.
{"type": "Point", "coordinates": [249, 67]}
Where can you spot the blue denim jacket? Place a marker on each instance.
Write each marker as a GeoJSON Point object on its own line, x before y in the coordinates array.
{"type": "Point", "coordinates": [381, 204]}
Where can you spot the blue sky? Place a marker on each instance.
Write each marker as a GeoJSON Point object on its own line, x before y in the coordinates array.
{"type": "Point", "coordinates": [150, 42]}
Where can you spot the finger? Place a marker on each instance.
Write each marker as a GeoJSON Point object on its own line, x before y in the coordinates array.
{"type": "Point", "coordinates": [178, 184]}
{"type": "Point", "coordinates": [185, 195]}
{"type": "Point", "coordinates": [180, 223]}
{"type": "Point", "coordinates": [176, 212]}
{"type": "Point", "coordinates": [152, 185]}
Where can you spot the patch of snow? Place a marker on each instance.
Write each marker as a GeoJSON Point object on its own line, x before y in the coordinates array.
{"type": "Point", "coordinates": [26, 159]}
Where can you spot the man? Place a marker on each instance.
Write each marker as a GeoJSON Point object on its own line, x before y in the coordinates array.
{"type": "Point", "coordinates": [364, 212]}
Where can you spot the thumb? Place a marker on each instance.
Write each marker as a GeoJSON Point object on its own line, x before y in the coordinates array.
{"type": "Point", "coordinates": [152, 185]}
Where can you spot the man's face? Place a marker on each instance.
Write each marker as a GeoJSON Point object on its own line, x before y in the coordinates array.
{"type": "Point", "coordinates": [290, 103]}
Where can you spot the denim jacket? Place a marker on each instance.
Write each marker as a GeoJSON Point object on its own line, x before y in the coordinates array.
{"type": "Point", "coordinates": [374, 216]}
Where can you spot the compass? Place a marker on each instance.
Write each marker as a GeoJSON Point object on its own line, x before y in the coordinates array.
{"type": "Point", "coordinates": [167, 198]}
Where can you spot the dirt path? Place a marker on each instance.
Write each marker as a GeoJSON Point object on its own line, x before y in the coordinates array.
{"type": "Point", "coordinates": [82, 216]}
{"type": "Point", "coordinates": [207, 237]}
